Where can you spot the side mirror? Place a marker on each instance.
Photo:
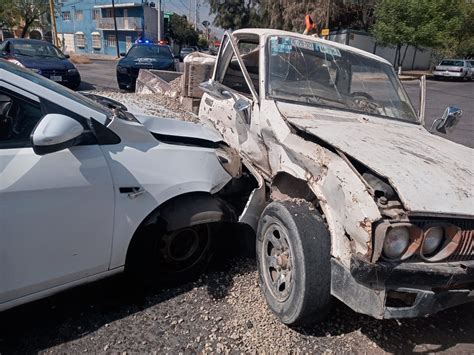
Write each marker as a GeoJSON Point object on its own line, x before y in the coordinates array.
{"type": "Point", "coordinates": [449, 119]}
{"type": "Point", "coordinates": [54, 133]}
{"type": "Point", "coordinates": [123, 54]}
{"type": "Point", "coordinates": [67, 56]}
{"type": "Point", "coordinates": [241, 105]}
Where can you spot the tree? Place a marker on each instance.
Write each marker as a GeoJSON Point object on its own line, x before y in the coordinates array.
{"type": "Point", "coordinates": [415, 22]}
{"type": "Point", "coordinates": [459, 40]}
{"type": "Point", "coordinates": [22, 13]}
{"type": "Point", "coordinates": [233, 14]}
{"type": "Point", "coordinates": [181, 31]}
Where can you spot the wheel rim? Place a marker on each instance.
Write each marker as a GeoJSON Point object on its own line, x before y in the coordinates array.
{"type": "Point", "coordinates": [180, 250]}
{"type": "Point", "coordinates": [277, 262]}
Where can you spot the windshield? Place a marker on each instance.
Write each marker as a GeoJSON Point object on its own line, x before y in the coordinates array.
{"type": "Point", "coordinates": [320, 74]}
{"type": "Point", "coordinates": [38, 79]}
{"type": "Point", "coordinates": [36, 50]}
{"type": "Point", "coordinates": [452, 63]}
{"type": "Point", "coordinates": [149, 52]}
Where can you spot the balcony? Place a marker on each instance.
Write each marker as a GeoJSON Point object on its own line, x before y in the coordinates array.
{"type": "Point", "coordinates": [123, 23]}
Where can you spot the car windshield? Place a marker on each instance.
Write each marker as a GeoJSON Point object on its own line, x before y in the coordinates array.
{"type": "Point", "coordinates": [36, 49]}
{"type": "Point", "coordinates": [49, 84]}
{"type": "Point", "coordinates": [452, 63]}
{"type": "Point", "coordinates": [316, 73]}
{"type": "Point", "coordinates": [149, 52]}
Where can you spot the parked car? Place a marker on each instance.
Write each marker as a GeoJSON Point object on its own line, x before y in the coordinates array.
{"type": "Point", "coordinates": [88, 190]}
{"type": "Point", "coordinates": [143, 56]}
{"type": "Point", "coordinates": [352, 209]}
{"type": "Point", "coordinates": [185, 51]}
{"type": "Point", "coordinates": [454, 69]}
{"type": "Point", "coordinates": [43, 58]}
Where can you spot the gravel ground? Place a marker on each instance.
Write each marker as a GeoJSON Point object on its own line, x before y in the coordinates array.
{"type": "Point", "coordinates": [222, 312]}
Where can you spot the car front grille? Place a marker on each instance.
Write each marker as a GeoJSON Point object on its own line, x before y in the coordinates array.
{"type": "Point", "coordinates": [49, 72]}
{"type": "Point", "coordinates": [465, 248]}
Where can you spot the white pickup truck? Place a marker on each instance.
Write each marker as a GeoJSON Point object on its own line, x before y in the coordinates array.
{"type": "Point", "coordinates": [363, 203]}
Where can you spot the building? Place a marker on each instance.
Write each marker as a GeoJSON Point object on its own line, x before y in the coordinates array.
{"type": "Point", "coordinates": [87, 26]}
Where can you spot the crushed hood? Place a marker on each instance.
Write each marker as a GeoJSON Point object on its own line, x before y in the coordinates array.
{"type": "Point", "coordinates": [430, 174]}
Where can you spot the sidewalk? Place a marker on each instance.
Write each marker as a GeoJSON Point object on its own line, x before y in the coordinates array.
{"type": "Point", "coordinates": [93, 56]}
{"type": "Point", "coordinates": [414, 74]}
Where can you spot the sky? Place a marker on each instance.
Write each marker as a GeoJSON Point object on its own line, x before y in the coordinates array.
{"type": "Point", "coordinates": [182, 7]}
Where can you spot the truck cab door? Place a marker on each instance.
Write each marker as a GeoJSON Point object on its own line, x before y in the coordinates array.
{"type": "Point", "coordinates": [231, 100]}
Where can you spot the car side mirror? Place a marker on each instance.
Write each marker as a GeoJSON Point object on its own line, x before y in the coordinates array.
{"type": "Point", "coordinates": [449, 119]}
{"type": "Point", "coordinates": [123, 54]}
{"type": "Point", "coordinates": [54, 133]}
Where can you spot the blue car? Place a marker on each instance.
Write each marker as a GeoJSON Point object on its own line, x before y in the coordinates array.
{"type": "Point", "coordinates": [43, 58]}
{"type": "Point", "coordinates": [143, 56]}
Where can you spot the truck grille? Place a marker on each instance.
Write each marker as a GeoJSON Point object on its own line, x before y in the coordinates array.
{"type": "Point", "coordinates": [465, 249]}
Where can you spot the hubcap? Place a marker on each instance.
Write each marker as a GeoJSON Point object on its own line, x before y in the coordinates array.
{"type": "Point", "coordinates": [277, 262]}
{"type": "Point", "coordinates": [182, 249]}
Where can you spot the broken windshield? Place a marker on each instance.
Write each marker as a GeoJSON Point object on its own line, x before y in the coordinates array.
{"type": "Point", "coordinates": [317, 73]}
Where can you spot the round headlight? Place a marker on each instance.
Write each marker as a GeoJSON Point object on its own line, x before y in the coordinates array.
{"type": "Point", "coordinates": [396, 242]}
{"type": "Point", "coordinates": [433, 238]}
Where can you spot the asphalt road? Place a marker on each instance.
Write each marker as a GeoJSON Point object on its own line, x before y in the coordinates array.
{"type": "Point", "coordinates": [440, 94]}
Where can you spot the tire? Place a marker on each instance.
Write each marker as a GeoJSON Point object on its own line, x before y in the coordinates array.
{"type": "Point", "coordinates": [160, 259]}
{"type": "Point", "coordinates": [293, 241]}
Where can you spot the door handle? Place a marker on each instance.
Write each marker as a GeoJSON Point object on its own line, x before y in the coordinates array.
{"type": "Point", "coordinates": [132, 192]}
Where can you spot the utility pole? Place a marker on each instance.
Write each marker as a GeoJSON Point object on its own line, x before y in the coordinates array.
{"type": "Point", "coordinates": [160, 22]}
{"type": "Point", "coordinates": [115, 28]}
{"type": "Point", "coordinates": [54, 31]}
{"type": "Point", "coordinates": [190, 9]}
{"type": "Point", "coordinates": [328, 13]}
{"type": "Point", "coordinates": [196, 14]}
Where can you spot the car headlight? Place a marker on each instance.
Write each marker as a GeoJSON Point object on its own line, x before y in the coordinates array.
{"type": "Point", "coordinates": [434, 236]}
{"type": "Point", "coordinates": [396, 242]}
{"type": "Point", "coordinates": [121, 70]}
{"type": "Point", "coordinates": [14, 61]}
{"type": "Point", "coordinates": [73, 71]}
{"type": "Point", "coordinates": [230, 160]}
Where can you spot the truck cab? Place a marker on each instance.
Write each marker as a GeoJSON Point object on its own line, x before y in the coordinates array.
{"type": "Point", "coordinates": [363, 203]}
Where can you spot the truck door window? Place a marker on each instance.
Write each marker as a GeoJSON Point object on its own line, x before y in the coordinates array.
{"type": "Point", "coordinates": [233, 76]}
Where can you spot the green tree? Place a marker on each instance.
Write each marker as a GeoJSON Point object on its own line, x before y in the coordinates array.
{"type": "Point", "coordinates": [7, 17]}
{"type": "Point", "coordinates": [459, 39]}
{"type": "Point", "coordinates": [233, 14]}
{"type": "Point", "coordinates": [415, 22]}
{"type": "Point", "coordinates": [181, 31]}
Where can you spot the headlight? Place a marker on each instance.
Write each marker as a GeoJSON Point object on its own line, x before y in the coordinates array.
{"type": "Point", "coordinates": [396, 242]}
{"type": "Point", "coordinates": [73, 71]}
{"type": "Point", "coordinates": [14, 61]}
{"type": "Point", "coordinates": [121, 70]}
{"type": "Point", "coordinates": [230, 160]}
{"type": "Point", "coordinates": [434, 236]}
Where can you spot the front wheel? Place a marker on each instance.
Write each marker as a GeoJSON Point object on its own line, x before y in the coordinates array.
{"type": "Point", "coordinates": [293, 254]}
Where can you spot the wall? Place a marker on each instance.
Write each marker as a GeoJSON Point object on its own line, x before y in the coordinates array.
{"type": "Point", "coordinates": [420, 59]}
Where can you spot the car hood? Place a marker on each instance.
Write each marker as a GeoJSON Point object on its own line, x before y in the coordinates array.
{"type": "Point", "coordinates": [147, 62]}
{"type": "Point", "coordinates": [430, 174]}
{"type": "Point", "coordinates": [44, 63]}
{"type": "Point", "coordinates": [171, 128]}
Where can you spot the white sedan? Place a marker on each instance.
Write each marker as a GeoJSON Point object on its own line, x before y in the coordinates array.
{"type": "Point", "coordinates": [87, 190]}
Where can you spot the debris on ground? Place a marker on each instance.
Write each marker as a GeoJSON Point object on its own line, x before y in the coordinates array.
{"type": "Point", "coordinates": [151, 104]}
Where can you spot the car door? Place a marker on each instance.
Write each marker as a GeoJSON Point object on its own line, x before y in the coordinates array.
{"type": "Point", "coordinates": [56, 210]}
{"type": "Point", "coordinates": [232, 102]}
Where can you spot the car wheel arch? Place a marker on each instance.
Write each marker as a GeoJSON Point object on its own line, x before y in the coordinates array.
{"type": "Point", "coordinates": [186, 210]}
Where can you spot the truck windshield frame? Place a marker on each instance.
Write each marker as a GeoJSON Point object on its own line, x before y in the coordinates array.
{"type": "Point", "coordinates": [306, 71]}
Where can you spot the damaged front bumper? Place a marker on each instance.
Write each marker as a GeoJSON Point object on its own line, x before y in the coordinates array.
{"type": "Point", "coordinates": [405, 290]}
